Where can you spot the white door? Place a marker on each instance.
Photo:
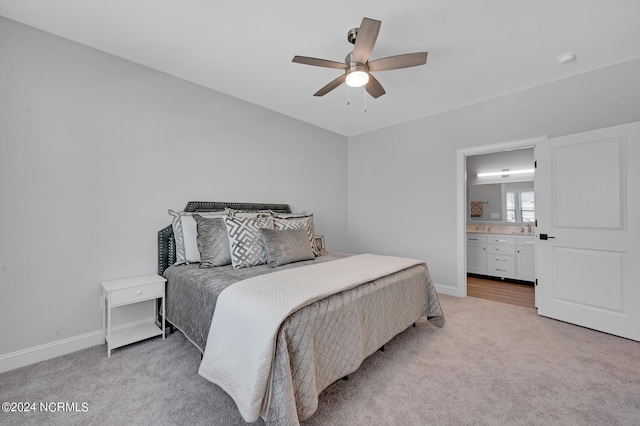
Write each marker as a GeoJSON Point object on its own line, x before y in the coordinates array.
{"type": "Point", "coordinates": [588, 205]}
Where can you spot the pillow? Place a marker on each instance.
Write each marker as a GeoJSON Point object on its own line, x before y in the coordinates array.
{"type": "Point", "coordinates": [291, 221]}
{"type": "Point", "coordinates": [185, 234]}
{"type": "Point", "coordinates": [250, 213]}
{"type": "Point", "coordinates": [245, 243]}
{"type": "Point", "coordinates": [213, 241]}
{"type": "Point", "coordinates": [286, 246]}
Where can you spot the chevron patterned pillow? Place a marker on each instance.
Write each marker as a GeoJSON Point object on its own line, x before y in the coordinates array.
{"type": "Point", "coordinates": [245, 243]}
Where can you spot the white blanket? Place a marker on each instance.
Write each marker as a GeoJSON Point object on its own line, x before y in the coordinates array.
{"type": "Point", "coordinates": [241, 343]}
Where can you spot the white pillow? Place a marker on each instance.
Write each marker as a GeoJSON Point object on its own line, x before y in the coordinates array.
{"type": "Point", "coordinates": [185, 233]}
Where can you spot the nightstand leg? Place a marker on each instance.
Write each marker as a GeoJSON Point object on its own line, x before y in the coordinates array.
{"type": "Point", "coordinates": [102, 314]}
{"type": "Point", "coordinates": [108, 330]}
{"type": "Point", "coordinates": [163, 309]}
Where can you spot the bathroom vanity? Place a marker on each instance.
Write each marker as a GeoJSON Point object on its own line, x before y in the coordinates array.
{"type": "Point", "coordinates": [509, 256]}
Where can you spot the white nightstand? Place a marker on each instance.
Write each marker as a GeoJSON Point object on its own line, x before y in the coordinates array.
{"type": "Point", "coordinates": [125, 292]}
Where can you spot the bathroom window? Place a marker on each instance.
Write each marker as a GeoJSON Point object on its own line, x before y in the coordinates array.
{"type": "Point", "coordinates": [520, 205]}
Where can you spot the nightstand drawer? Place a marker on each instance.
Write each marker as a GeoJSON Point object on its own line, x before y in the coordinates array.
{"type": "Point", "coordinates": [134, 294]}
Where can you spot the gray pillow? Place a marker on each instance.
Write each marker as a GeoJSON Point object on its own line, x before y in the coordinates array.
{"type": "Point", "coordinates": [213, 241]}
{"type": "Point", "coordinates": [185, 234]}
{"type": "Point", "coordinates": [290, 221]}
{"type": "Point", "coordinates": [286, 245]}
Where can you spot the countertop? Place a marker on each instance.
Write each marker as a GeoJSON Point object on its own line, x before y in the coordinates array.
{"type": "Point", "coordinates": [501, 230]}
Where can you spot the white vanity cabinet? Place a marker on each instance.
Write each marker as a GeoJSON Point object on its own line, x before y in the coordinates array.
{"type": "Point", "coordinates": [526, 258]}
{"type": "Point", "coordinates": [476, 254]}
{"type": "Point", "coordinates": [501, 260]}
{"type": "Point", "coordinates": [504, 256]}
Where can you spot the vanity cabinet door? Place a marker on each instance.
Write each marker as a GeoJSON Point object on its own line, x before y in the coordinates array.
{"type": "Point", "coordinates": [476, 254]}
{"type": "Point", "coordinates": [526, 264]}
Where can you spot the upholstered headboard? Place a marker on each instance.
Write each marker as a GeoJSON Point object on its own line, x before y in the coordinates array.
{"type": "Point", "coordinates": [167, 244]}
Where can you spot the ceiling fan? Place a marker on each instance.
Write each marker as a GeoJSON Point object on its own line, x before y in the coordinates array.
{"type": "Point", "coordinates": [356, 66]}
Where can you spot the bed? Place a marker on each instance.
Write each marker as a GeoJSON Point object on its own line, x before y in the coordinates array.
{"type": "Point", "coordinates": [324, 339]}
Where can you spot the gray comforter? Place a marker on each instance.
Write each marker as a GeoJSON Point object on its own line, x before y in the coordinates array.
{"type": "Point", "coordinates": [192, 292]}
{"type": "Point", "coordinates": [319, 343]}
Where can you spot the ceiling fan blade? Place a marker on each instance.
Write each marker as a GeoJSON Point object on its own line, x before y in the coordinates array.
{"type": "Point", "coordinates": [399, 61]}
{"type": "Point", "coordinates": [329, 87]}
{"type": "Point", "coordinates": [365, 40]}
{"type": "Point", "coordinates": [374, 88]}
{"type": "Point", "coordinates": [319, 62]}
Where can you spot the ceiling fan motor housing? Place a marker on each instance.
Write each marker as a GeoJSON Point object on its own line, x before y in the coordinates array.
{"type": "Point", "coordinates": [352, 34]}
{"type": "Point", "coordinates": [349, 61]}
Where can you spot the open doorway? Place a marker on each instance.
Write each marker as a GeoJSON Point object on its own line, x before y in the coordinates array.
{"type": "Point", "coordinates": [496, 215]}
{"type": "Point", "coordinates": [501, 226]}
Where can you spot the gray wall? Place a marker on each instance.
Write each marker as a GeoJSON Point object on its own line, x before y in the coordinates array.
{"type": "Point", "coordinates": [402, 179]}
{"type": "Point", "coordinates": [94, 150]}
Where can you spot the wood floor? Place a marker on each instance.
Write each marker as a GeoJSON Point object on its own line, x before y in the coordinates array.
{"type": "Point", "coordinates": [501, 291]}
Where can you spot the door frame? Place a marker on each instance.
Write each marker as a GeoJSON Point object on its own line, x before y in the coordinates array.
{"type": "Point", "coordinates": [461, 183]}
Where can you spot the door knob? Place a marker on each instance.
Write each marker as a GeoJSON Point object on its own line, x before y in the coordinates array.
{"type": "Point", "coordinates": [545, 236]}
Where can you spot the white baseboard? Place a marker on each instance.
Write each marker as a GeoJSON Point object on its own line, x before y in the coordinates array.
{"type": "Point", "coordinates": [39, 353]}
{"type": "Point", "coordinates": [49, 350]}
{"type": "Point", "coordinates": [447, 289]}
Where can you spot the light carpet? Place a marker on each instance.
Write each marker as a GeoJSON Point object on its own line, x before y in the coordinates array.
{"type": "Point", "coordinates": [491, 364]}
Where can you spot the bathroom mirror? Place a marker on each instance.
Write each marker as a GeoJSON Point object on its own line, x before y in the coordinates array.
{"type": "Point", "coordinates": [510, 203]}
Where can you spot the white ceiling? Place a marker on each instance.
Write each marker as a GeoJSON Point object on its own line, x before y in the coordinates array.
{"type": "Point", "coordinates": [477, 49]}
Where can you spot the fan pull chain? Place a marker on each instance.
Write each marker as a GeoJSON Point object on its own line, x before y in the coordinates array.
{"type": "Point", "coordinates": [365, 99]}
{"type": "Point", "coordinates": [348, 99]}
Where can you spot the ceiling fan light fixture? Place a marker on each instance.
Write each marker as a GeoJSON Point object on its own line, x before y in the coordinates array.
{"type": "Point", "coordinates": [356, 65]}
{"type": "Point", "coordinates": [357, 78]}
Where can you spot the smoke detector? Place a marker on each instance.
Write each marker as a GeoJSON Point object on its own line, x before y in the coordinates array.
{"type": "Point", "coordinates": [565, 58]}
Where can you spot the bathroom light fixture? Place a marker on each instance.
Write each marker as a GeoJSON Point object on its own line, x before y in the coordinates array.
{"type": "Point", "coordinates": [506, 172]}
